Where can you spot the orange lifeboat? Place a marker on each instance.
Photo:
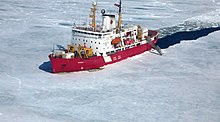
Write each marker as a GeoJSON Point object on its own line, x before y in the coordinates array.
{"type": "Point", "coordinates": [116, 40]}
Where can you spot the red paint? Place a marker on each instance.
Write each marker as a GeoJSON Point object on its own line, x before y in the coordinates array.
{"type": "Point", "coordinates": [77, 64]}
{"type": "Point", "coordinates": [128, 42]}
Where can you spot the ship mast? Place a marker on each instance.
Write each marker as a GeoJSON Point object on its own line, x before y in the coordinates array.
{"type": "Point", "coordinates": [93, 16]}
{"type": "Point", "coordinates": [119, 17]}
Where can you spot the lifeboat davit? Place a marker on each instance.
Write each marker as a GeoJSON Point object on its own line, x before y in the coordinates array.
{"type": "Point", "coordinates": [116, 40]}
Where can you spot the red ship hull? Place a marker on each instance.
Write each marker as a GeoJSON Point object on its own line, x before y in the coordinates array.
{"type": "Point", "coordinates": [78, 64]}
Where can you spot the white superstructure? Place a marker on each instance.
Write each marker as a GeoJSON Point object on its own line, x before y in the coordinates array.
{"type": "Point", "coordinates": [107, 38]}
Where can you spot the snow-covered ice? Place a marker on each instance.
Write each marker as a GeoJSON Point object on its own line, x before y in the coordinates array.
{"type": "Point", "coordinates": [182, 85]}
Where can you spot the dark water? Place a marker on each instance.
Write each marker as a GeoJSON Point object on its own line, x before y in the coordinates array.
{"type": "Point", "coordinates": [177, 37]}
